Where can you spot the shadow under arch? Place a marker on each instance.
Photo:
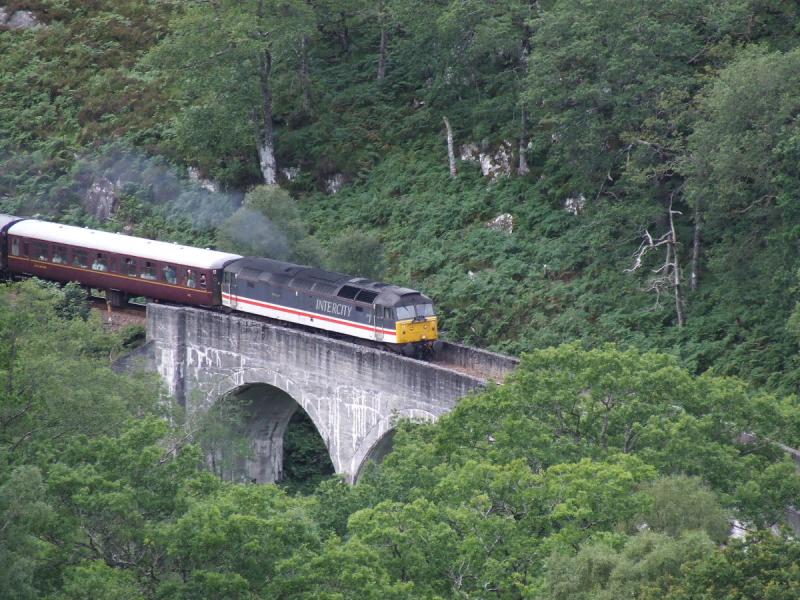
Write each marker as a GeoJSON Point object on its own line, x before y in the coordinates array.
{"type": "Point", "coordinates": [248, 425]}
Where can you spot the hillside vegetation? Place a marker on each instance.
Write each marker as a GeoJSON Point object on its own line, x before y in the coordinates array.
{"type": "Point", "coordinates": [669, 124]}
{"type": "Point", "coordinates": [647, 154]}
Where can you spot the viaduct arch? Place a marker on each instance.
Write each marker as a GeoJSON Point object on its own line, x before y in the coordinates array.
{"type": "Point", "coordinates": [352, 394]}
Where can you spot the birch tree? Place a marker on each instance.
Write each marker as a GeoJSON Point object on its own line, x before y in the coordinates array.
{"type": "Point", "coordinates": [228, 61]}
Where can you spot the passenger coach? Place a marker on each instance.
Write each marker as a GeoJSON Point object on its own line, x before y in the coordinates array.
{"type": "Point", "coordinates": [122, 265]}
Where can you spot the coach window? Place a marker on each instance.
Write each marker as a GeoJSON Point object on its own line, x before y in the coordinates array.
{"type": "Point", "coordinates": [41, 251]}
{"type": "Point", "coordinates": [202, 280]}
{"type": "Point", "coordinates": [170, 274]}
{"type": "Point", "coordinates": [147, 272]}
{"type": "Point", "coordinates": [99, 263]}
{"type": "Point", "coordinates": [79, 259]}
{"type": "Point", "coordinates": [25, 249]}
{"type": "Point", "coordinates": [112, 264]}
{"type": "Point", "coordinates": [130, 267]}
{"type": "Point", "coordinates": [15, 247]}
{"type": "Point", "coordinates": [190, 282]}
{"type": "Point", "coordinates": [59, 255]}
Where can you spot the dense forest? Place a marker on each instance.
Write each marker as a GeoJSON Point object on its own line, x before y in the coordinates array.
{"type": "Point", "coordinates": [603, 187]}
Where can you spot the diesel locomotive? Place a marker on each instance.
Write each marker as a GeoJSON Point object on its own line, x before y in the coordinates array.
{"type": "Point", "coordinates": [125, 267]}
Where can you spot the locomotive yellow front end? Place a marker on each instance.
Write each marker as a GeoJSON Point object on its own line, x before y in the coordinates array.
{"type": "Point", "coordinates": [419, 329]}
{"type": "Point", "coordinates": [416, 327]}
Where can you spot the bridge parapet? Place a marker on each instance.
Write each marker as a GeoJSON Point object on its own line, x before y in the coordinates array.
{"type": "Point", "coordinates": [476, 362]}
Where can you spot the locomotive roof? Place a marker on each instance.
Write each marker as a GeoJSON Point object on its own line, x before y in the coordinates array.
{"type": "Point", "coordinates": [117, 243]}
{"type": "Point", "coordinates": [324, 282]}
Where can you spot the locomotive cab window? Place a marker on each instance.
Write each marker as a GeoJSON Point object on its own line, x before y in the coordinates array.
{"type": "Point", "coordinates": [405, 312]}
{"type": "Point", "coordinates": [59, 255]}
{"type": "Point", "coordinates": [424, 310]}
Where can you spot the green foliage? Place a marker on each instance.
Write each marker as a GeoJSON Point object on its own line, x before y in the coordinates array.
{"type": "Point", "coordinates": [577, 450]}
{"type": "Point", "coordinates": [269, 225]}
{"type": "Point", "coordinates": [601, 572]}
{"type": "Point", "coordinates": [25, 515]}
{"type": "Point", "coordinates": [68, 85]}
{"type": "Point", "coordinates": [95, 579]}
{"type": "Point", "coordinates": [357, 253]}
{"type": "Point", "coordinates": [682, 504]}
{"type": "Point", "coordinates": [306, 461]}
{"type": "Point", "coordinates": [73, 300]}
{"type": "Point", "coordinates": [55, 382]}
{"type": "Point", "coordinates": [570, 480]}
{"type": "Point", "coordinates": [763, 567]}
{"type": "Point", "coordinates": [595, 471]}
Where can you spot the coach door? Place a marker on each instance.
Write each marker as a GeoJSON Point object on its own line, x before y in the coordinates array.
{"type": "Point", "coordinates": [229, 297]}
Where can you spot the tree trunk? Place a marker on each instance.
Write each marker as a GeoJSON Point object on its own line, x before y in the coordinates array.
{"type": "Point", "coordinates": [523, 143]}
{"type": "Point", "coordinates": [305, 77]}
{"type": "Point", "coordinates": [343, 34]}
{"type": "Point", "coordinates": [451, 157]}
{"type": "Point", "coordinates": [676, 271]}
{"type": "Point", "coordinates": [266, 140]}
{"type": "Point", "coordinates": [382, 56]}
{"type": "Point", "coordinates": [696, 246]}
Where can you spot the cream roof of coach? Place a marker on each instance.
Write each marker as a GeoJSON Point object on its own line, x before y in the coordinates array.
{"type": "Point", "coordinates": [116, 243]}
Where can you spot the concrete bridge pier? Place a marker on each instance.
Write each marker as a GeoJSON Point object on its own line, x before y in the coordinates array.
{"type": "Point", "coordinates": [267, 411]}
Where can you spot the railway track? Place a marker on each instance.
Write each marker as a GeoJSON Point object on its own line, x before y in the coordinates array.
{"type": "Point", "coordinates": [117, 318]}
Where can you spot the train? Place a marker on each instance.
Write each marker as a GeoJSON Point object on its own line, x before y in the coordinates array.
{"type": "Point", "coordinates": [125, 267]}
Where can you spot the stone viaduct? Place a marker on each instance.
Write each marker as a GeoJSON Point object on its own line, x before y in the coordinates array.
{"type": "Point", "coordinates": [352, 394]}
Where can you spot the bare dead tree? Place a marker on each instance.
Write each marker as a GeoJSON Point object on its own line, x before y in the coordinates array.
{"type": "Point", "coordinates": [523, 168]}
{"type": "Point", "coordinates": [694, 278]}
{"type": "Point", "coordinates": [451, 156]}
{"type": "Point", "coordinates": [382, 53]}
{"type": "Point", "coordinates": [668, 276]}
